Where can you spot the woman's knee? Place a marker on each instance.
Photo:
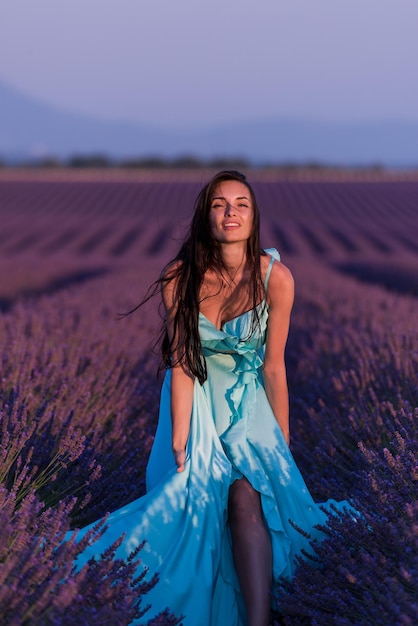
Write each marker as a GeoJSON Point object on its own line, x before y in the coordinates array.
{"type": "Point", "coordinates": [244, 502]}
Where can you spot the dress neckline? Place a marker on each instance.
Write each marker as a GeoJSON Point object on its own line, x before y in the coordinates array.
{"type": "Point", "coordinates": [274, 255]}
{"type": "Point", "coordinates": [236, 317]}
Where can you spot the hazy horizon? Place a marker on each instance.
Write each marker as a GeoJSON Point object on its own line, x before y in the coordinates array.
{"type": "Point", "coordinates": [215, 63]}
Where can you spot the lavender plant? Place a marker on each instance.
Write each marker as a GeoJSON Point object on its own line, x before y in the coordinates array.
{"type": "Point", "coordinates": [73, 404]}
{"type": "Point", "coordinates": [62, 435]}
{"type": "Point", "coordinates": [366, 570]}
{"type": "Point", "coordinates": [39, 583]}
{"type": "Point", "coordinates": [356, 431]}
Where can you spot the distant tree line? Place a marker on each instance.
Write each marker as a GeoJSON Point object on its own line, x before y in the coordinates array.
{"type": "Point", "coordinates": [147, 162]}
{"type": "Point", "coordinates": [99, 161]}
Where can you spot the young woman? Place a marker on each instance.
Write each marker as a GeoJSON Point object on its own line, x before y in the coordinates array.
{"type": "Point", "coordinates": [223, 492]}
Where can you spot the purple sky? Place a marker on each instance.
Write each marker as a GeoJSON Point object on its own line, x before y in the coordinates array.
{"type": "Point", "coordinates": [203, 62]}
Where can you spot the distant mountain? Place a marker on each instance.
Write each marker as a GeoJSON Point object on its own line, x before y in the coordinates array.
{"type": "Point", "coordinates": [30, 129]}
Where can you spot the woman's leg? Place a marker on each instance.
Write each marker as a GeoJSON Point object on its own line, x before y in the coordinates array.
{"type": "Point", "coordinates": [251, 547]}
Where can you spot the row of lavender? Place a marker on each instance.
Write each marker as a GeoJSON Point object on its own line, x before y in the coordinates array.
{"type": "Point", "coordinates": [78, 414]}
{"type": "Point", "coordinates": [76, 426]}
{"type": "Point", "coordinates": [353, 361]}
{"type": "Point", "coordinates": [112, 221]}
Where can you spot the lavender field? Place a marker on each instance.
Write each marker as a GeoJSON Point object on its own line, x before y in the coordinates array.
{"type": "Point", "coordinates": [79, 392]}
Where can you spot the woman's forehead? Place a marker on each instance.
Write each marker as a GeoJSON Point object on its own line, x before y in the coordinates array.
{"type": "Point", "coordinates": [231, 188]}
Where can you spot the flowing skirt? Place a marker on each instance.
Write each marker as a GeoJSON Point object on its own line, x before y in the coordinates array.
{"type": "Point", "coordinates": [183, 516]}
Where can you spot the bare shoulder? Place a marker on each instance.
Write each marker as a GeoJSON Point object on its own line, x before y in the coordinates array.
{"type": "Point", "coordinates": [169, 280]}
{"type": "Point", "coordinates": [281, 286]}
{"type": "Point", "coordinates": [171, 269]}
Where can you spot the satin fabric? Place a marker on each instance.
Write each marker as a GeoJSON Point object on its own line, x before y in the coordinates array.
{"type": "Point", "coordinates": [183, 516]}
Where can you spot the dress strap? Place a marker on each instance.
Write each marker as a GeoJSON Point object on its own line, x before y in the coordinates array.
{"type": "Point", "coordinates": [275, 256]}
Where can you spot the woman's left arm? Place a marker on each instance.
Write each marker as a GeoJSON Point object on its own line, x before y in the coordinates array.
{"type": "Point", "coordinates": [280, 300]}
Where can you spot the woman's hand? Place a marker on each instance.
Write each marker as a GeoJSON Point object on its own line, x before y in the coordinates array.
{"type": "Point", "coordinates": [179, 458]}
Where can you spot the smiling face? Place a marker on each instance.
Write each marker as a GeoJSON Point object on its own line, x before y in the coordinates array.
{"type": "Point", "coordinates": [231, 212]}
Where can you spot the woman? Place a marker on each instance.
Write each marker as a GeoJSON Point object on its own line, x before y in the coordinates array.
{"type": "Point", "coordinates": [223, 492]}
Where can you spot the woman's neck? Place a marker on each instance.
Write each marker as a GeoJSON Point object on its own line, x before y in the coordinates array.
{"type": "Point", "coordinates": [234, 260]}
{"type": "Point", "coordinates": [234, 257]}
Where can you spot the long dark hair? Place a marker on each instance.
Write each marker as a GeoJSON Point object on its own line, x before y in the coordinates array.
{"type": "Point", "coordinates": [199, 252]}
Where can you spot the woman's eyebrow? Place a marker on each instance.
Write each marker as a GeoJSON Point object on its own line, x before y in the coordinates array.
{"type": "Point", "coordinates": [237, 198]}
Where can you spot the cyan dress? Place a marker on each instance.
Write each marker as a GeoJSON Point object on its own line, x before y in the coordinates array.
{"type": "Point", "coordinates": [183, 516]}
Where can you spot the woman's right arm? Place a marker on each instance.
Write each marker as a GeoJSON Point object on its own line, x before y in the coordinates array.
{"type": "Point", "coordinates": [182, 382]}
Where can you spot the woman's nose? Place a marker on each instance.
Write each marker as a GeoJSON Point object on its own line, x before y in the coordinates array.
{"type": "Point", "coordinates": [229, 209]}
